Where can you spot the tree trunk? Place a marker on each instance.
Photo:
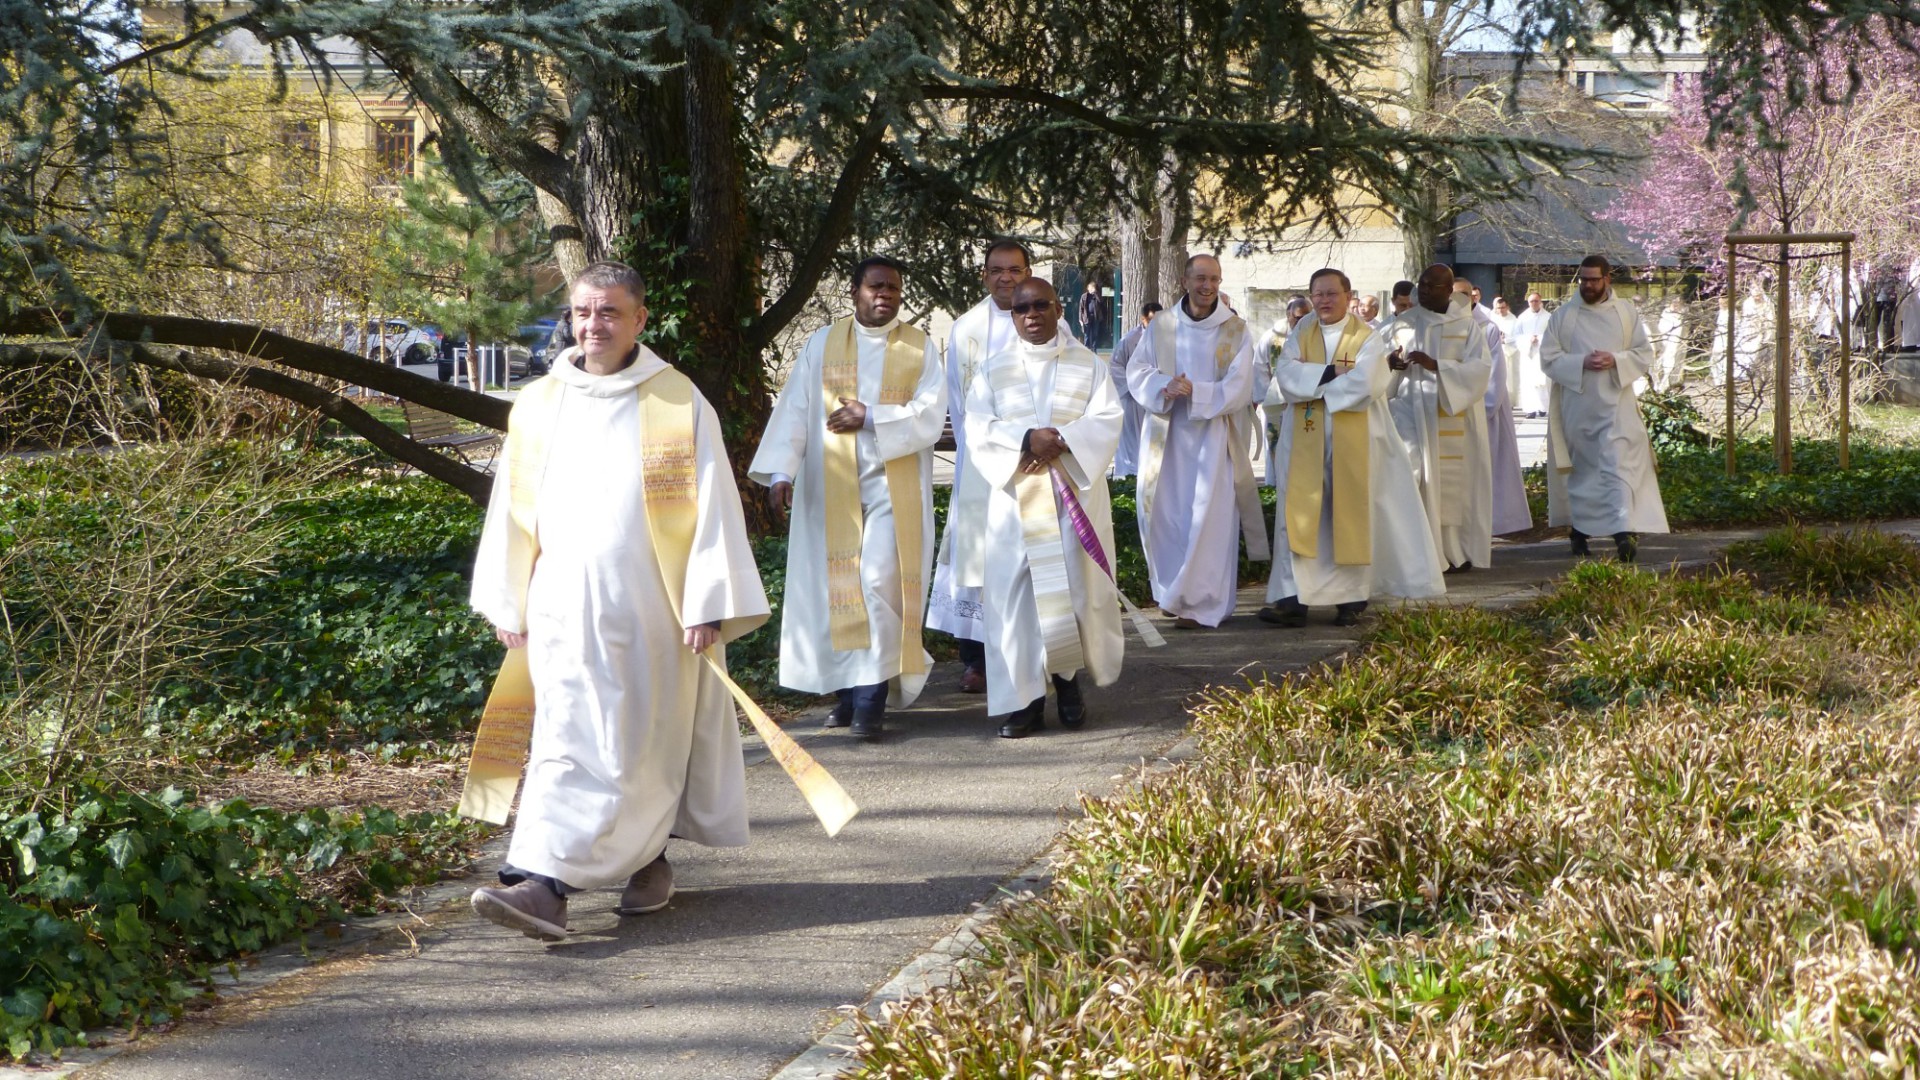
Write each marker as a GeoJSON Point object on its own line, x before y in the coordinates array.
{"type": "Point", "coordinates": [1176, 222]}
{"type": "Point", "coordinates": [1139, 234]}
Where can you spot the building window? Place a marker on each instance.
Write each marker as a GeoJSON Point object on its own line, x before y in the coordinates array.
{"type": "Point", "coordinates": [1629, 90]}
{"type": "Point", "coordinates": [301, 138]}
{"type": "Point", "coordinates": [393, 150]}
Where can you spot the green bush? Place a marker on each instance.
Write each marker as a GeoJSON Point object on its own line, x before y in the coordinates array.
{"type": "Point", "coordinates": [114, 909]}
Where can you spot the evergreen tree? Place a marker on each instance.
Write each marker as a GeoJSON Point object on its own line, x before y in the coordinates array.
{"type": "Point", "coordinates": [462, 264]}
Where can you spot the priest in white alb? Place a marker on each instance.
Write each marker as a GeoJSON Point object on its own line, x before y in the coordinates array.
{"type": "Point", "coordinates": [1350, 525]}
{"type": "Point", "coordinates": [1600, 474]}
{"type": "Point", "coordinates": [1197, 494]}
{"type": "Point", "coordinates": [614, 554]}
{"type": "Point", "coordinates": [1042, 422]}
{"type": "Point", "coordinates": [1126, 459]}
{"type": "Point", "coordinates": [849, 450]}
{"type": "Point", "coordinates": [1438, 395]}
{"type": "Point", "coordinates": [984, 329]}
{"type": "Point", "coordinates": [1510, 510]}
{"type": "Point", "coordinates": [1528, 328]}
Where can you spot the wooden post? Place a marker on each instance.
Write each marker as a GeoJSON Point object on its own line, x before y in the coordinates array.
{"type": "Point", "coordinates": [1733, 330]}
{"type": "Point", "coordinates": [1846, 348]}
{"type": "Point", "coordinates": [1782, 372]}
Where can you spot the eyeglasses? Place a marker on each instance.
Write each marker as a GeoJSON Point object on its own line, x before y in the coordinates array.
{"type": "Point", "coordinates": [1031, 305]}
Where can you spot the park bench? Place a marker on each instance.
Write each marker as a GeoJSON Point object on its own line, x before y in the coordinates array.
{"type": "Point", "coordinates": [431, 427]}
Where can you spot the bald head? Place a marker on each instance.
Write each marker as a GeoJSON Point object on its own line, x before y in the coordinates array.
{"type": "Point", "coordinates": [1036, 311]}
{"type": "Point", "coordinates": [1435, 287]}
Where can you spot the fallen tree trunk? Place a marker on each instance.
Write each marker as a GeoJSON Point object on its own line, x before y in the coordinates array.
{"type": "Point", "coordinates": [471, 482]}
{"type": "Point", "coordinates": [276, 348]}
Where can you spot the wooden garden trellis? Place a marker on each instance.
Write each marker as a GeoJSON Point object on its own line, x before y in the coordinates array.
{"type": "Point", "coordinates": [1783, 339]}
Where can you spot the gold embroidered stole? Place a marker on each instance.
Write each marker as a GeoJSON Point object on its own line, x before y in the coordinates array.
{"type": "Point", "coordinates": [846, 595]}
{"type": "Point", "coordinates": [1246, 490]}
{"type": "Point", "coordinates": [668, 488]}
{"type": "Point", "coordinates": [1306, 472]}
{"type": "Point", "coordinates": [1045, 541]}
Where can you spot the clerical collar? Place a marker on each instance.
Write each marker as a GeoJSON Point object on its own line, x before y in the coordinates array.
{"type": "Point", "coordinates": [876, 331]}
{"type": "Point", "coordinates": [580, 360]}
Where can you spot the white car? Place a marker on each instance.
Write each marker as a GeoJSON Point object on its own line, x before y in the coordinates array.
{"type": "Point", "coordinates": [404, 343]}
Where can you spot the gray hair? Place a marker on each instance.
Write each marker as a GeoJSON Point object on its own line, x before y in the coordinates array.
{"type": "Point", "coordinates": [609, 274]}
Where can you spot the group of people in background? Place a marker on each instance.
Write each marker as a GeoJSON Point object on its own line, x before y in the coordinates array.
{"type": "Point", "coordinates": [615, 549]}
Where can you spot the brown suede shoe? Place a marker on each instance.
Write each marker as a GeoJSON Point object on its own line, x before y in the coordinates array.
{"type": "Point", "coordinates": [973, 681]}
{"type": "Point", "coordinates": [529, 907]}
{"type": "Point", "coordinates": [648, 889]}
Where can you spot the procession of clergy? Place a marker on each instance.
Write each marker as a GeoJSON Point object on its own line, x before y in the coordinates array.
{"type": "Point", "coordinates": [615, 552]}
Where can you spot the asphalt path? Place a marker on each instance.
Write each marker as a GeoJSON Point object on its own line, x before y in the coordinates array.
{"type": "Point", "coordinates": [763, 948]}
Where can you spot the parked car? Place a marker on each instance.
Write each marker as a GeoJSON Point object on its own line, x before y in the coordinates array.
{"type": "Point", "coordinates": [405, 343]}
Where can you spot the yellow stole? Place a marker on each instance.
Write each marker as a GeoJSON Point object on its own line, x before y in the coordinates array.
{"type": "Point", "coordinates": [668, 487]}
{"type": "Point", "coordinates": [1047, 546]}
{"type": "Point", "coordinates": [1246, 490]}
{"type": "Point", "coordinates": [846, 595]}
{"type": "Point", "coordinates": [1352, 484]}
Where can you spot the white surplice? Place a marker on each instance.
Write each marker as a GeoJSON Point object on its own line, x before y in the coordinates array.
{"type": "Point", "coordinates": [983, 330]}
{"type": "Point", "coordinates": [1017, 653]}
{"type": "Point", "coordinates": [1269, 405]}
{"type": "Point", "coordinates": [633, 736]}
{"type": "Point", "coordinates": [793, 447]}
{"type": "Point", "coordinates": [1605, 483]}
{"type": "Point", "coordinates": [1405, 561]}
{"type": "Point", "coordinates": [1460, 385]}
{"type": "Point", "coordinates": [1126, 456]}
{"type": "Point", "coordinates": [1528, 328]}
{"type": "Point", "coordinates": [1510, 513]}
{"type": "Point", "coordinates": [1192, 539]}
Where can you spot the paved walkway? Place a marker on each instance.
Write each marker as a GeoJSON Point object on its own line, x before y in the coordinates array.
{"type": "Point", "coordinates": [762, 945]}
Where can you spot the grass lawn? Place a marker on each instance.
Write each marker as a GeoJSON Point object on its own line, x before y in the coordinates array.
{"type": "Point", "coordinates": [1646, 825]}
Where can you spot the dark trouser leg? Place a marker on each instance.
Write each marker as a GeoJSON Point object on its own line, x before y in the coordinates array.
{"type": "Point", "coordinates": [1628, 546]}
{"type": "Point", "coordinates": [869, 709]}
{"type": "Point", "coordinates": [973, 654]}
{"type": "Point", "coordinates": [1578, 540]}
{"type": "Point", "coordinates": [511, 876]}
{"type": "Point", "coordinates": [1071, 707]}
{"type": "Point", "coordinates": [1286, 611]}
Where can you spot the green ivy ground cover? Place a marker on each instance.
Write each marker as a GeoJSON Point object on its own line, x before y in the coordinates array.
{"type": "Point", "coordinates": [358, 636]}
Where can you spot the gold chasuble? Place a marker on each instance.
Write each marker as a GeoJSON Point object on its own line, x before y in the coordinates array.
{"type": "Point", "coordinates": [1246, 489]}
{"type": "Point", "coordinates": [1048, 548]}
{"type": "Point", "coordinates": [846, 595]}
{"type": "Point", "coordinates": [1306, 475]}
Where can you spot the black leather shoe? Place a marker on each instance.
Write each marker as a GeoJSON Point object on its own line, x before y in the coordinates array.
{"type": "Point", "coordinates": [1579, 541]}
{"type": "Point", "coordinates": [868, 723]}
{"type": "Point", "coordinates": [1069, 705]}
{"type": "Point", "coordinates": [1627, 545]}
{"type": "Point", "coordinates": [1283, 614]}
{"type": "Point", "coordinates": [1026, 721]}
{"type": "Point", "coordinates": [841, 716]}
{"type": "Point", "coordinates": [1348, 614]}
{"type": "Point", "coordinates": [1461, 569]}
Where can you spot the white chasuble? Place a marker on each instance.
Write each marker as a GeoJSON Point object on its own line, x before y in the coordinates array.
{"type": "Point", "coordinates": [1510, 512]}
{"type": "Point", "coordinates": [1441, 416]}
{"type": "Point", "coordinates": [795, 446]}
{"type": "Point", "coordinates": [1050, 609]}
{"type": "Point", "coordinates": [954, 608]}
{"type": "Point", "coordinates": [633, 735]}
{"type": "Point", "coordinates": [1401, 559]}
{"type": "Point", "coordinates": [1195, 472]}
{"type": "Point", "coordinates": [1600, 474]}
